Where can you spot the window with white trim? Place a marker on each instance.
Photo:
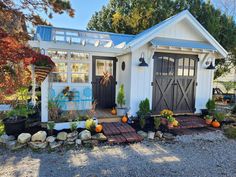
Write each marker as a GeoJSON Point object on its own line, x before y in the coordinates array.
{"type": "Point", "coordinates": [71, 67]}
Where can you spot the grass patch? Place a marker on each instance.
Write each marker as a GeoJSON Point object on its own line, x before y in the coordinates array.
{"type": "Point", "coordinates": [230, 132]}
{"type": "Point", "coordinates": [2, 131]}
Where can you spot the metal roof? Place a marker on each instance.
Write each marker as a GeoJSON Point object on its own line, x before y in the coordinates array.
{"type": "Point", "coordinates": [170, 42]}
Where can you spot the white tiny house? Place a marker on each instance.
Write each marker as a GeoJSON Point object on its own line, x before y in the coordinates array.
{"type": "Point", "coordinates": [166, 63]}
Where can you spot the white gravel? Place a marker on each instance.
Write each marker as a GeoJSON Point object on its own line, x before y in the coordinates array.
{"type": "Point", "coordinates": [149, 158]}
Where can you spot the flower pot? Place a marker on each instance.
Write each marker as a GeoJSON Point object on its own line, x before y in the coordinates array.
{"type": "Point", "coordinates": [208, 121]}
{"type": "Point", "coordinates": [170, 125]}
{"type": "Point", "coordinates": [164, 121]}
{"type": "Point", "coordinates": [14, 126]}
{"type": "Point", "coordinates": [121, 111]}
{"type": "Point", "coordinates": [204, 112]}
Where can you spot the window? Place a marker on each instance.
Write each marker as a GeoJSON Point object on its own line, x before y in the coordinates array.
{"type": "Point", "coordinates": [165, 66]}
{"type": "Point", "coordinates": [186, 67]}
{"type": "Point", "coordinates": [71, 67]}
{"type": "Point", "coordinates": [104, 66]}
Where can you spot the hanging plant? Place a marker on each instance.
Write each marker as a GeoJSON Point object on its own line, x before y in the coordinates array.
{"type": "Point", "coordinates": [106, 79]}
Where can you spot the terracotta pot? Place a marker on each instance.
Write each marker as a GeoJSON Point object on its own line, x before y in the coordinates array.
{"type": "Point", "coordinates": [170, 125]}
{"type": "Point", "coordinates": [208, 121]}
{"type": "Point", "coordinates": [164, 121]}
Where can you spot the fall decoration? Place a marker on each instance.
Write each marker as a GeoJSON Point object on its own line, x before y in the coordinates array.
{"type": "Point", "coordinates": [208, 119]}
{"type": "Point", "coordinates": [98, 128]}
{"type": "Point", "coordinates": [90, 125]}
{"type": "Point", "coordinates": [166, 112]}
{"type": "Point", "coordinates": [215, 124]}
{"type": "Point", "coordinates": [106, 78]}
{"type": "Point", "coordinates": [175, 123]}
{"type": "Point", "coordinates": [113, 111]}
{"type": "Point", "coordinates": [124, 119]}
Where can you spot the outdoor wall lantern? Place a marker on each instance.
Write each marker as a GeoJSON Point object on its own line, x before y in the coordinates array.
{"type": "Point", "coordinates": [142, 61]}
{"type": "Point", "coordinates": [42, 51]}
{"type": "Point", "coordinates": [210, 65]}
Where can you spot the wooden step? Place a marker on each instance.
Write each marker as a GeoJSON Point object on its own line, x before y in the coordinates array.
{"type": "Point", "coordinates": [108, 119]}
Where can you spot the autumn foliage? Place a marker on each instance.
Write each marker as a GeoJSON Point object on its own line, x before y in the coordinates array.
{"type": "Point", "coordinates": [15, 59]}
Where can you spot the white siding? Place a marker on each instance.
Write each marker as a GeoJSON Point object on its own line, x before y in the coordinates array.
{"type": "Point", "coordinates": [124, 77]}
{"type": "Point", "coordinates": [181, 30]}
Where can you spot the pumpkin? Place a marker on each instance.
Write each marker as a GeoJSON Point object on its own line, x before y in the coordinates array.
{"type": "Point", "coordinates": [175, 123]}
{"type": "Point", "coordinates": [113, 111]}
{"type": "Point", "coordinates": [98, 128]}
{"type": "Point", "coordinates": [124, 119]}
{"type": "Point", "coordinates": [215, 124]}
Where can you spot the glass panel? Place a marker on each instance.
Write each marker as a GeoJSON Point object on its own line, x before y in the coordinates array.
{"type": "Point", "coordinates": [60, 67]}
{"type": "Point", "coordinates": [58, 77]}
{"type": "Point", "coordinates": [191, 69]}
{"type": "Point", "coordinates": [180, 67]}
{"type": "Point", "coordinates": [104, 66]}
{"type": "Point", "coordinates": [79, 56]}
{"type": "Point", "coordinates": [158, 66]}
{"type": "Point", "coordinates": [80, 68]}
{"type": "Point", "coordinates": [186, 66]}
{"type": "Point", "coordinates": [79, 78]}
{"type": "Point", "coordinates": [57, 55]}
{"type": "Point", "coordinates": [59, 38]}
{"type": "Point", "coordinates": [171, 66]}
{"type": "Point", "coordinates": [60, 32]}
{"type": "Point", "coordinates": [165, 66]}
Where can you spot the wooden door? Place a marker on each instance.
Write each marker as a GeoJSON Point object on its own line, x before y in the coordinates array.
{"type": "Point", "coordinates": [104, 94]}
{"type": "Point", "coordinates": [174, 82]}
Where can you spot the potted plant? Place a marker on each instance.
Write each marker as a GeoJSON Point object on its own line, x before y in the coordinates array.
{"type": "Point", "coordinates": [171, 121]}
{"type": "Point", "coordinates": [121, 110]}
{"type": "Point", "coordinates": [144, 113]}
{"type": "Point", "coordinates": [15, 122]}
{"type": "Point", "coordinates": [211, 106]}
{"type": "Point", "coordinates": [157, 122]}
{"type": "Point", "coordinates": [208, 119]}
{"type": "Point", "coordinates": [164, 114]}
{"type": "Point", "coordinates": [219, 116]}
{"type": "Point", "coordinates": [50, 127]}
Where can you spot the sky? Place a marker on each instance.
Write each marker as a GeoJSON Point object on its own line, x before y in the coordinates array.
{"type": "Point", "coordinates": [84, 9]}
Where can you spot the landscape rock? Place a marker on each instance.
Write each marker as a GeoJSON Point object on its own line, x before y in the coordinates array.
{"type": "Point", "coordinates": [99, 137]}
{"type": "Point", "coordinates": [85, 135]}
{"type": "Point", "coordinates": [5, 138]}
{"type": "Point", "coordinates": [10, 144]}
{"type": "Point", "coordinates": [168, 136]}
{"type": "Point", "coordinates": [39, 136]}
{"type": "Point", "coordinates": [90, 143]}
{"type": "Point", "coordinates": [19, 146]}
{"type": "Point", "coordinates": [62, 136]}
{"type": "Point", "coordinates": [69, 142]}
{"type": "Point", "coordinates": [78, 142]}
{"type": "Point", "coordinates": [37, 145]}
{"type": "Point", "coordinates": [50, 139]}
{"type": "Point", "coordinates": [72, 136]}
{"type": "Point", "coordinates": [159, 134]}
{"type": "Point", "coordinates": [143, 134]}
{"type": "Point", "coordinates": [151, 135]}
{"type": "Point", "coordinates": [55, 144]}
{"type": "Point", "coordinates": [24, 138]}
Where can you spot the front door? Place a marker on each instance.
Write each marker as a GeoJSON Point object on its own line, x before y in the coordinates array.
{"type": "Point", "coordinates": [174, 82]}
{"type": "Point", "coordinates": [104, 88]}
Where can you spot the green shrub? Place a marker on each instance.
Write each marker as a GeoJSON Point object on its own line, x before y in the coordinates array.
{"type": "Point", "coordinates": [73, 126]}
{"type": "Point", "coordinates": [211, 105]}
{"type": "Point", "coordinates": [219, 116]}
{"type": "Point", "coordinates": [121, 96]}
{"type": "Point", "coordinates": [50, 125]}
{"type": "Point", "coordinates": [144, 108]}
{"type": "Point", "coordinates": [157, 122]}
{"type": "Point", "coordinates": [142, 122]}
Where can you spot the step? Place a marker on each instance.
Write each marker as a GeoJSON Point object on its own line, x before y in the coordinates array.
{"type": "Point", "coordinates": [108, 119]}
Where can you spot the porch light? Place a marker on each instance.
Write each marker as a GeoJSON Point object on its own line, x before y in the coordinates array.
{"type": "Point", "coordinates": [142, 61]}
{"type": "Point", "coordinates": [211, 67]}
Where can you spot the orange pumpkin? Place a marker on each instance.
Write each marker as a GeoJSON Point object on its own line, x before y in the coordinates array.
{"type": "Point", "coordinates": [98, 128]}
{"type": "Point", "coordinates": [215, 124]}
{"type": "Point", "coordinates": [124, 119]}
{"type": "Point", "coordinates": [113, 111]}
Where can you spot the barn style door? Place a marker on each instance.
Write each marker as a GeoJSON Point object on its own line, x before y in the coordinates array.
{"type": "Point", "coordinates": [174, 82]}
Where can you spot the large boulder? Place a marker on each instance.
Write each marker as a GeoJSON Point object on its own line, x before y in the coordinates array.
{"type": "Point", "coordinates": [39, 136]}
{"type": "Point", "coordinates": [72, 136]}
{"type": "Point", "coordinates": [24, 138]}
{"type": "Point", "coordinates": [159, 134]}
{"type": "Point", "coordinates": [62, 136]}
{"type": "Point", "coordinates": [85, 135]}
{"type": "Point", "coordinates": [37, 145]}
{"type": "Point", "coordinates": [99, 137]}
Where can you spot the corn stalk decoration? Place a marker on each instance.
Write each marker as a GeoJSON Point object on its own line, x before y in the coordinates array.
{"type": "Point", "coordinates": [106, 79]}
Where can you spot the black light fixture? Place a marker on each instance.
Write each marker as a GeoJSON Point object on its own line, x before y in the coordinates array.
{"type": "Point", "coordinates": [211, 67]}
{"type": "Point", "coordinates": [142, 61]}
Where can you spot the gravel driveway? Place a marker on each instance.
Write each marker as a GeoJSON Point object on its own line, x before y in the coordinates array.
{"type": "Point", "coordinates": [181, 158]}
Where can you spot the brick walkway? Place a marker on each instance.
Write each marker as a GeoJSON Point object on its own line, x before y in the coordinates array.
{"type": "Point", "coordinates": [118, 132]}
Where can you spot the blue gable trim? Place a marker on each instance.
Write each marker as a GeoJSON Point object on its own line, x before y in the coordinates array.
{"type": "Point", "coordinates": [45, 32]}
